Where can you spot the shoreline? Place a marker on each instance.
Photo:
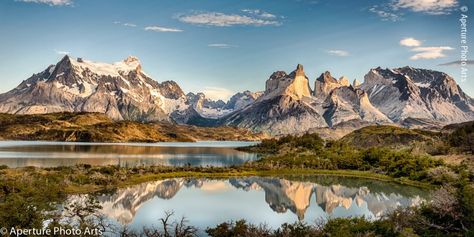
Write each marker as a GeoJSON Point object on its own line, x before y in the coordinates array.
{"type": "Point", "coordinates": [196, 172]}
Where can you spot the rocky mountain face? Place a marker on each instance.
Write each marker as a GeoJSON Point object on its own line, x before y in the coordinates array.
{"type": "Point", "coordinates": [407, 92]}
{"type": "Point", "coordinates": [242, 99]}
{"type": "Point", "coordinates": [288, 105]}
{"type": "Point", "coordinates": [407, 96]}
{"type": "Point", "coordinates": [121, 91]}
{"type": "Point", "coordinates": [285, 106]}
{"type": "Point", "coordinates": [402, 96]}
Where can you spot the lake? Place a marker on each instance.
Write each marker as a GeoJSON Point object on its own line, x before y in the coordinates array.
{"type": "Point", "coordinates": [52, 154]}
{"type": "Point", "coordinates": [270, 200]}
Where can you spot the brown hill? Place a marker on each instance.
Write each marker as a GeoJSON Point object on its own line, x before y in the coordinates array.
{"type": "Point", "coordinates": [95, 127]}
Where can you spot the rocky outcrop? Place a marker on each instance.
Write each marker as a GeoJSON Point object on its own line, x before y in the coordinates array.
{"type": "Point", "coordinates": [242, 99]}
{"type": "Point", "coordinates": [296, 84]}
{"type": "Point", "coordinates": [284, 108]}
{"type": "Point", "coordinates": [417, 93]}
{"type": "Point", "coordinates": [324, 84]}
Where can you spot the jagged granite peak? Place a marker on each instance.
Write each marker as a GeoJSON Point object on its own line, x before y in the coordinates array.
{"type": "Point", "coordinates": [326, 77]}
{"type": "Point", "coordinates": [133, 62]}
{"type": "Point", "coordinates": [284, 108]}
{"type": "Point", "coordinates": [324, 84]}
{"type": "Point", "coordinates": [123, 90]}
{"type": "Point", "coordinates": [408, 92]}
{"type": "Point", "coordinates": [296, 84]}
{"type": "Point", "coordinates": [344, 81]}
{"type": "Point", "coordinates": [356, 83]}
{"type": "Point", "coordinates": [120, 90]}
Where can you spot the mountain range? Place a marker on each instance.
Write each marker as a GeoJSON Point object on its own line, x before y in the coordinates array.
{"type": "Point", "coordinates": [123, 91]}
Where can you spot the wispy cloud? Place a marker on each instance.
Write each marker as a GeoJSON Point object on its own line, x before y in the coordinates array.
{"type": "Point", "coordinates": [62, 52]}
{"type": "Point", "coordinates": [393, 10]}
{"type": "Point", "coordinates": [129, 24]}
{"type": "Point", "coordinates": [429, 52]}
{"type": "Point", "coordinates": [50, 2]}
{"type": "Point", "coordinates": [410, 42]}
{"type": "Point", "coordinates": [458, 63]}
{"type": "Point", "coordinates": [432, 52]}
{"type": "Point", "coordinates": [222, 46]}
{"type": "Point", "coordinates": [259, 13]}
{"type": "Point", "coordinates": [162, 29]}
{"type": "Point", "coordinates": [432, 7]}
{"type": "Point", "coordinates": [424, 52]}
{"type": "Point", "coordinates": [385, 13]}
{"type": "Point", "coordinates": [222, 19]}
{"type": "Point", "coordinates": [217, 93]}
{"type": "Point", "coordinates": [125, 24]}
{"type": "Point", "coordinates": [337, 52]}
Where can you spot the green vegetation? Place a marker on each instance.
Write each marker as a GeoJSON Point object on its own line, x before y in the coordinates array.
{"type": "Point", "coordinates": [453, 139]}
{"type": "Point", "coordinates": [450, 213]}
{"type": "Point", "coordinates": [310, 152]}
{"type": "Point", "coordinates": [28, 196]}
{"type": "Point", "coordinates": [388, 136]}
{"type": "Point", "coordinates": [95, 127]}
{"type": "Point", "coordinates": [463, 138]}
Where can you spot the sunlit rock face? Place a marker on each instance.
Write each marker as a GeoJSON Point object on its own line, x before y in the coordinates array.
{"type": "Point", "coordinates": [387, 96]}
{"type": "Point", "coordinates": [280, 195]}
{"type": "Point", "coordinates": [120, 90]}
{"type": "Point", "coordinates": [296, 84]}
{"type": "Point", "coordinates": [324, 84]}
{"type": "Point", "coordinates": [407, 92]}
{"type": "Point", "coordinates": [284, 108]}
{"type": "Point", "coordinates": [123, 91]}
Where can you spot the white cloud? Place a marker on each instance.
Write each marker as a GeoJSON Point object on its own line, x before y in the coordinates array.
{"type": "Point", "coordinates": [385, 13]}
{"type": "Point", "coordinates": [217, 93]}
{"type": "Point", "coordinates": [429, 52]}
{"type": "Point", "coordinates": [129, 24]}
{"type": "Point", "coordinates": [433, 7]}
{"type": "Point", "coordinates": [337, 52]}
{"type": "Point", "coordinates": [62, 52]}
{"type": "Point", "coordinates": [221, 46]}
{"type": "Point", "coordinates": [393, 10]}
{"type": "Point", "coordinates": [50, 2]}
{"type": "Point", "coordinates": [259, 13]}
{"type": "Point", "coordinates": [221, 19]}
{"type": "Point", "coordinates": [162, 29]}
{"type": "Point", "coordinates": [424, 52]}
{"type": "Point", "coordinates": [410, 42]}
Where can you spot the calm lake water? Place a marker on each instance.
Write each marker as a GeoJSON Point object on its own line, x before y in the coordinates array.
{"type": "Point", "coordinates": [51, 154]}
{"type": "Point", "coordinates": [207, 202]}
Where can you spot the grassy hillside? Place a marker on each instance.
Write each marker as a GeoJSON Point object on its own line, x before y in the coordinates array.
{"type": "Point", "coordinates": [388, 136]}
{"type": "Point", "coordinates": [95, 127]}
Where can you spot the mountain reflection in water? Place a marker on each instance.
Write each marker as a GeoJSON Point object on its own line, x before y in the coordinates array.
{"type": "Point", "coordinates": [257, 199]}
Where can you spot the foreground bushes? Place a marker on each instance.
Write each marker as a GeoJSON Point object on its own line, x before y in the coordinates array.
{"type": "Point", "coordinates": [335, 156]}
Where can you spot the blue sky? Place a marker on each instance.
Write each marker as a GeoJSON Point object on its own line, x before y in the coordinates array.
{"type": "Point", "coordinates": [222, 46]}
